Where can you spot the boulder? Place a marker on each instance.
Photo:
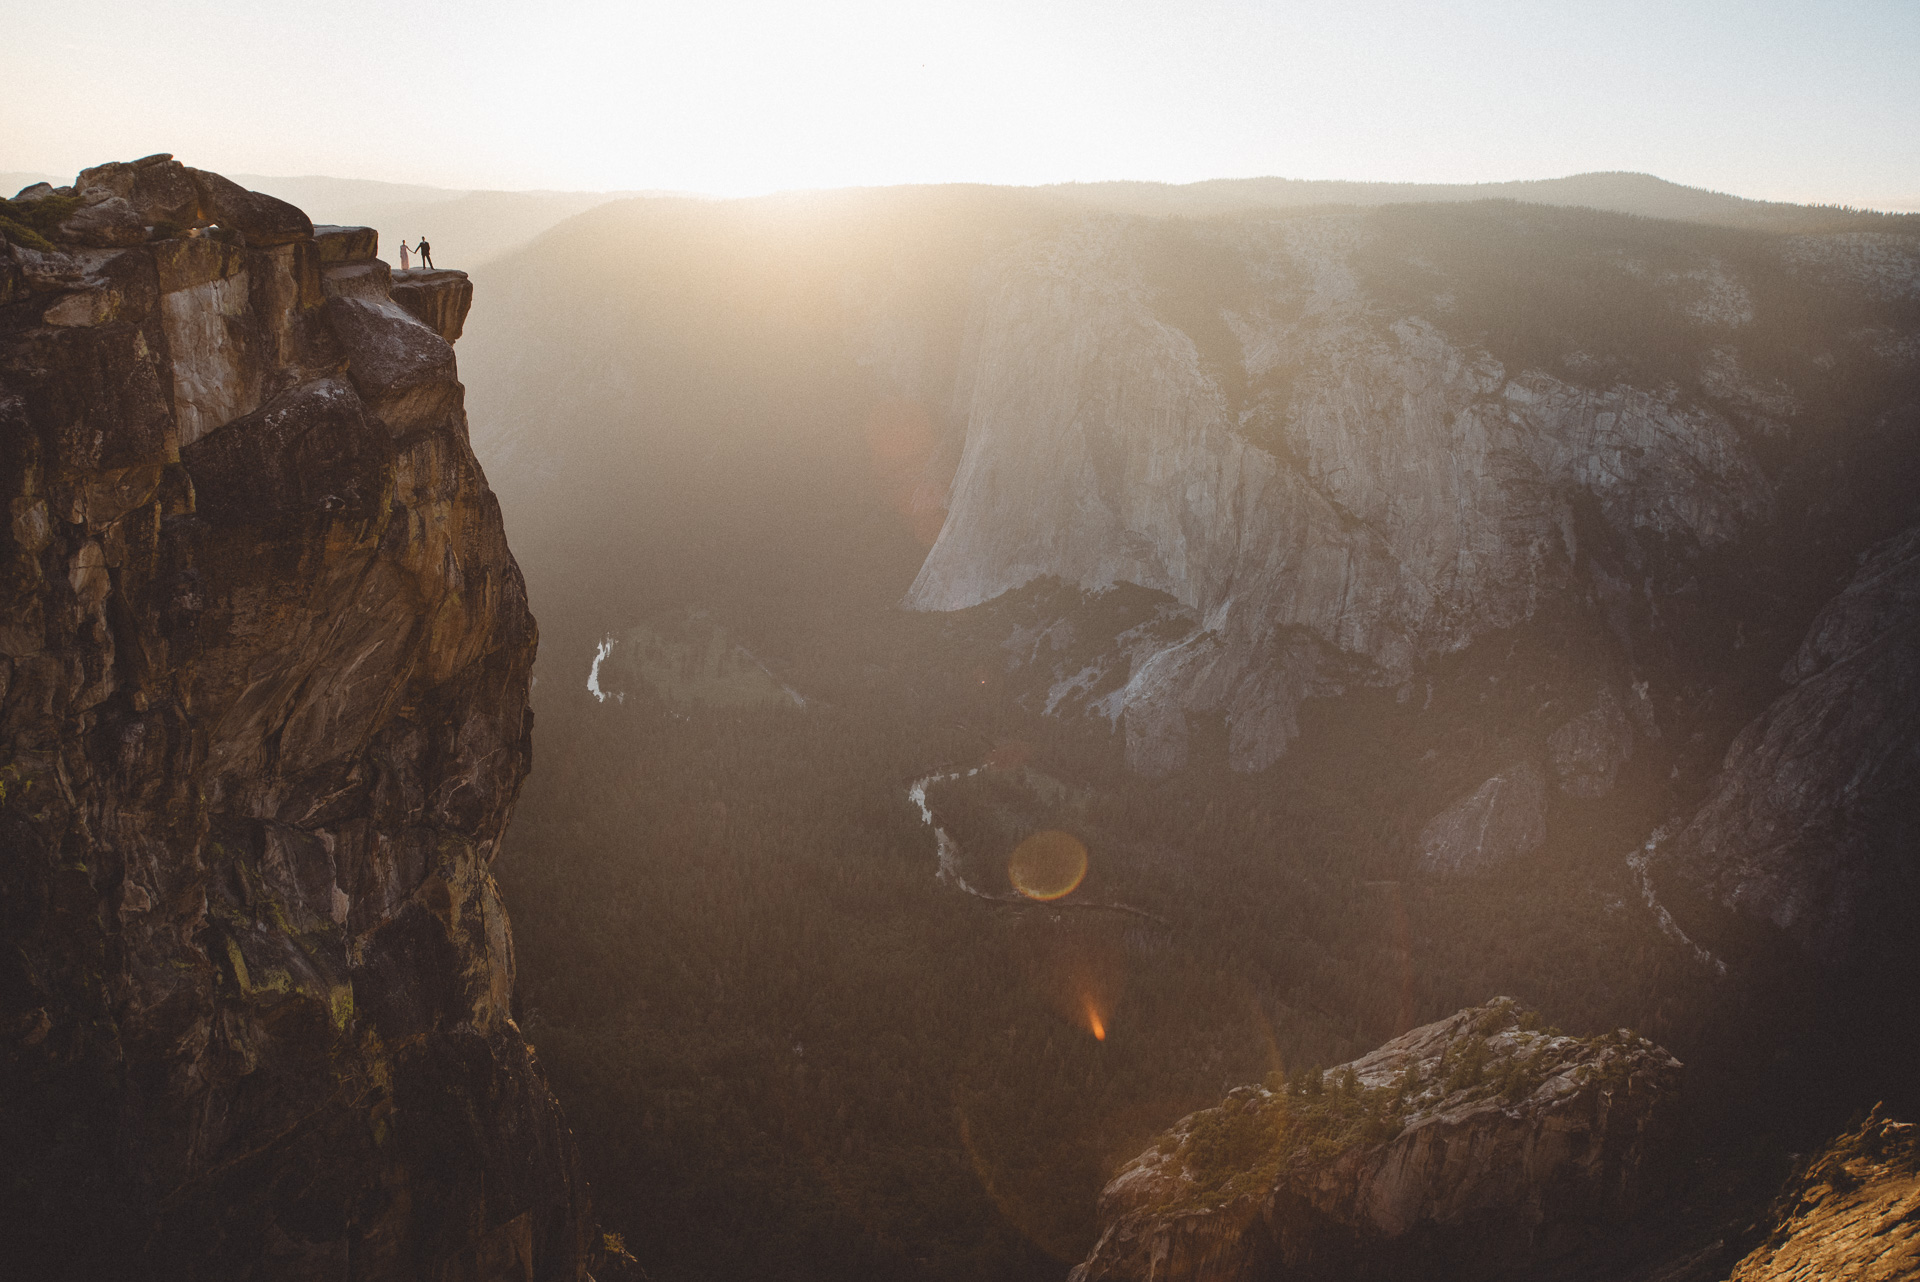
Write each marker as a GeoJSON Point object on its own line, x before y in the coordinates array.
{"type": "Point", "coordinates": [1471, 1146]}
{"type": "Point", "coordinates": [264, 220]}
{"type": "Point", "coordinates": [345, 244]}
{"type": "Point", "coordinates": [403, 370]}
{"type": "Point", "coordinates": [367, 280]}
{"type": "Point", "coordinates": [310, 452]}
{"type": "Point", "coordinates": [1503, 819]}
{"type": "Point", "coordinates": [103, 221]}
{"type": "Point", "coordinates": [159, 188]}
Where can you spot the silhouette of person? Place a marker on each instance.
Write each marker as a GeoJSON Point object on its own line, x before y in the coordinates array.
{"type": "Point", "coordinates": [403, 256]}
{"type": "Point", "coordinates": [426, 253]}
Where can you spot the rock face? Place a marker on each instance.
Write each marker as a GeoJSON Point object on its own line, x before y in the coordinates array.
{"type": "Point", "coordinates": [1506, 817]}
{"type": "Point", "coordinates": [1589, 750]}
{"type": "Point", "coordinates": [264, 661]}
{"type": "Point", "coordinates": [1461, 1149]}
{"type": "Point", "coordinates": [1409, 492]}
{"type": "Point", "coordinates": [1854, 1213]}
{"type": "Point", "coordinates": [345, 244]}
{"type": "Point", "coordinates": [1811, 822]}
{"type": "Point", "coordinates": [439, 298]}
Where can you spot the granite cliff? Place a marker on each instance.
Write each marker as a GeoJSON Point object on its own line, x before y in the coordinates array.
{"type": "Point", "coordinates": [1807, 828]}
{"type": "Point", "coordinates": [1347, 448]}
{"type": "Point", "coordinates": [264, 664]}
{"type": "Point", "coordinates": [1467, 1147]}
{"type": "Point", "coordinates": [1342, 465]}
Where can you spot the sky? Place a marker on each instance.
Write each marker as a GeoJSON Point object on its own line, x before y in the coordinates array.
{"type": "Point", "coordinates": [1809, 101]}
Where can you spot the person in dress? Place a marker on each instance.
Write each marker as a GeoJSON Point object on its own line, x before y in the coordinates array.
{"type": "Point", "coordinates": [403, 255]}
{"type": "Point", "coordinates": [426, 253]}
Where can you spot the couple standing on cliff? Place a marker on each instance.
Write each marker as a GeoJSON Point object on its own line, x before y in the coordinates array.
{"type": "Point", "coordinates": [423, 249]}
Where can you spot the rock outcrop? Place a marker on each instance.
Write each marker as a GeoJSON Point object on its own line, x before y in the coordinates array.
{"type": "Point", "coordinates": [439, 298]}
{"type": "Point", "coordinates": [1503, 819]}
{"type": "Point", "coordinates": [124, 203]}
{"type": "Point", "coordinates": [1464, 1148]}
{"type": "Point", "coordinates": [1854, 1212]}
{"type": "Point", "coordinates": [264, 662]}
{"type": "Point", "coordinates": [1811, 822]}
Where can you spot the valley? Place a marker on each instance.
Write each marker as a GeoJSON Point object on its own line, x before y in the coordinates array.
{"type": "Point", "coordinates": [1442, 522]}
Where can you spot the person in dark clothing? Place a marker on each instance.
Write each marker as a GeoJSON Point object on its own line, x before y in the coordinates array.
{"type": "Point", "coordinates": [426, 253]}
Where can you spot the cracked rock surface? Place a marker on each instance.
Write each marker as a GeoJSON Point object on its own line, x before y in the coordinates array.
{"type": "Point", "coordinates": [1407, 494]}
{"type": "Point", "coordinates": [1854, 1213]}
{"type": "Point", "coordinates": [264, 663]}
{"type": "Point", "coordinates": [1469, 1146]}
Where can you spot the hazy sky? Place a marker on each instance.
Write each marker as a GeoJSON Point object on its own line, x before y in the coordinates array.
{"type": "Point", "coordinates": [1806, 101]}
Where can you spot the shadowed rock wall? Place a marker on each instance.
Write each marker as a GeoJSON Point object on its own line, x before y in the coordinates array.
{"type": "Point", "coordinates": [264, 662]}
{"type": "Point", "coordinates": [1810, 824]}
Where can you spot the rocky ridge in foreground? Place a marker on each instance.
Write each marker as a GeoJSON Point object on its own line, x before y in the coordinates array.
{"type": "Point", "coordinates": [1468, 1146]}
{"type": "Point", "coordinates": [264, 663]}
{"type": "Point", "coordinates": [1853, 1213]}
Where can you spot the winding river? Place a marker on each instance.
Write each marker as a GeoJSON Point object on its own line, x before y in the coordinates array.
{"type": "Point", "coordinates": [946, 849]}
{"type": "Point", "coordinates": [947, 852]}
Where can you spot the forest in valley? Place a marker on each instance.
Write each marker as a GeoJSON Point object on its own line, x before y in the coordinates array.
{"type": "Point", "coordinates": [790, 1049]}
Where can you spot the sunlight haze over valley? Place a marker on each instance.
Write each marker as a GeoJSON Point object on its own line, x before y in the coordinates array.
{"type": "Point", "coordinates": [1013, 641]}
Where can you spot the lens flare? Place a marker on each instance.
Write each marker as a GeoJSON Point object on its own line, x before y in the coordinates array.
{"type": "Point", "coordinates": [1047, 865]}
{"type": "Point", "coordinates": [1095, 1024]}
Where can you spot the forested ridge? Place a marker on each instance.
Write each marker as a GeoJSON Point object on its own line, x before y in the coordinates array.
{"type": "Point", "coordinates": [790, 1051]}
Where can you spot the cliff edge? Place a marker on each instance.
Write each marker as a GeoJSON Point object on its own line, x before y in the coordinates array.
{"type": "Point", "coordinates": [264, 663]}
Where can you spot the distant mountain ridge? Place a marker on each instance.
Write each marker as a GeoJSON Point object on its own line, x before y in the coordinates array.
{"type": "Point", "coordinates": [473, 226]}
{"type": "Point", "coordinates": [1619, 192]}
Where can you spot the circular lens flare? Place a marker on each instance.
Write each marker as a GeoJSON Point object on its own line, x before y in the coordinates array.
{"type": "Point", "coordinates": [1047, 865]}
